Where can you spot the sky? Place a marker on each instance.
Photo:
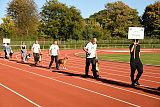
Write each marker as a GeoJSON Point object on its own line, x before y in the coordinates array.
{"type": "Point", "coordinates": [87, 7]}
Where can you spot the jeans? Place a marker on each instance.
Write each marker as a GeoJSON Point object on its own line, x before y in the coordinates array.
{"type": "Point", "coordinates": [56, 61]}
{"type": "Point", "coordinates": [5, 54]}
{"type": "Point", "coordinates": [23, 55]}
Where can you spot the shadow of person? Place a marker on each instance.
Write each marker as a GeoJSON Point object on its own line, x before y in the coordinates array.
{"type": "Point", "coordinates": [107, 81]}
{"type": "Point", "coordinates": [112, 82]}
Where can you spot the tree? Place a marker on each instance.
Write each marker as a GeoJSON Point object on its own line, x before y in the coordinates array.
{"type": "Point", "coordinates": [60, 22]}
{"type": "Point", "coordinates": [25, 16]}
{"type": "Point", "coordinates": [116, 18]}
{"type": "Point", "coordinates": [151, 20]}
{"type": "Point", "coordinates": [92, 29]}
{"type": "Point", "coordinates": [7, 27]}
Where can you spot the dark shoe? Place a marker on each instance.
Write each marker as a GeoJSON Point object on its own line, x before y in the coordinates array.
{"type": "Point", "coordinates": [86, 76]}
{"type": "Point", "coordinates": [137, 83]}
{"type": "Point", "coordinates": [57, 68]}
{"type": "Point", "coordinates": [95, 77]}
{"type": "Point", "coordinates": [133, 85]}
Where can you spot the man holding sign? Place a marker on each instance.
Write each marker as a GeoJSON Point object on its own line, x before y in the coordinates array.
{"type": "Point", "coordinates": [135, 62]}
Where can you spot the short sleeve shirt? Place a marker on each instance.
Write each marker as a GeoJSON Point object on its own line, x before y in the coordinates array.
{"type": "Point", "coordinates": [92, 49]}
{"type": "Point", "coordinates": [36, 48]}
{"type": "Point", "coordinates": [4, 47]}
{"type": "Point", "coordinates": [54, 50]}
{"type": "Point", "coordinates": [136, 52]}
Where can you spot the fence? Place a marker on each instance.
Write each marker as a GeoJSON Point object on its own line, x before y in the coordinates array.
{"type": "Point", "coordinates": [80, 46]}
{"type": "Point", "coordinates": [70, 42]}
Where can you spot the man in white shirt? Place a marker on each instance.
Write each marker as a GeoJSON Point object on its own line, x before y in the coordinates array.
{"type": "Point", "coordinates": [36, 50]}
{"type": "Point", "coordinates": [54, 52]}
{"type": "Point", "coordinates": [91, 56]}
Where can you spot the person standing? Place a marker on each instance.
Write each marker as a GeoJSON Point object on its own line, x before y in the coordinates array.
{"type": "Point", "coordinates": [8, 50]}
{"type": "Point", "coordinates": [4, 48]}
{"type": "Point", "coordinates": [36, 50]}
{"type": "Point", "coordinates": [91, 56]}
{"type": "Point", "coordinates": [23, 52]}
{"type": "Point", "coordinates": [135, 62]}
{"type": "Point", "coordinates": [54, 53]}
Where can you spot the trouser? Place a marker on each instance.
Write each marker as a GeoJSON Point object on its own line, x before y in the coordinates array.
{"type": "Point", "coordinates": [23, 55]}
{"type": "Point", "coordinates": [36, 56]}
{"type": "Point", "coordinates": [56, 61]}
{"type": "Point", "coordinates": [136, 65]}
{"type": "Point", "coordinates": [5, 52]}
{"type": "Point", "coordinates": [93, 61]}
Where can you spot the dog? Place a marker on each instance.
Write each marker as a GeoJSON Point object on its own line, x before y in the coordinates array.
{"type": "Point", "coordinates": [63, 62]}
{"type": "Point", "coordinates": [28, 56]}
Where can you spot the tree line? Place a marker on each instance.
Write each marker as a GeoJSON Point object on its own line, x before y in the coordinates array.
{"type": "Point", "coordinates": [56, 20]}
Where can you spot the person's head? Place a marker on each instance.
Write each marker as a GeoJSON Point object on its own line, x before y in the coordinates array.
{"type": "Point", "coordinates": [94, 40]}
{"type": "Point", "coordinates": [55, 42]}
{"type": "Point", "coordinates": [7, 43]}
{"type": "Point", "coordinates": [23, 43]}
{"type": "Point", "coordinates": [137, 41]}
{"type": "Point", "coordinates": [36, 41]}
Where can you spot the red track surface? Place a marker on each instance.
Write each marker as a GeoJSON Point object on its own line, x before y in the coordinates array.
{"type": "Point", "coordinates": [24, 85]}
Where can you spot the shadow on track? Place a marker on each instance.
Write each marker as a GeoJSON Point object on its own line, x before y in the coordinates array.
{"type": "Point", "coordinates": [117, 83]}
{"type": "Point", "coordinates": [149, 90]}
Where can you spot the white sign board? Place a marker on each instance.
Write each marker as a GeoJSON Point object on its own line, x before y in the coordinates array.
{"type": "Point", "coordinates": [6, 40]}
{"type": "Point", "coordinates": [136, 33]}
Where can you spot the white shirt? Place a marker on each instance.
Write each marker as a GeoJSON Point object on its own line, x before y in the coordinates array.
{"type": "Point", "coordinates": [92, 49]}
{"type": "Point", "coordinates": [36, 48]}
{"type": "Point", "coordinates": [54, 50]}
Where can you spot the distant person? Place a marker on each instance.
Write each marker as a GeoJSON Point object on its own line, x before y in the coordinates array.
{"type": "Point", "coordinates": [91, 56]}
{"type": "Point", "coordinates": [36, 50]}
{"type": "Point", "coordinates": [8, 50]}
{"type": "Point", "coordinates": [4, 48]}
{"type": "Point", "coordinates": [54, 53]}
{"type": "Point", "coordinates": [23, 52]}
{"type": "Point", "coordinates": [135, 62]}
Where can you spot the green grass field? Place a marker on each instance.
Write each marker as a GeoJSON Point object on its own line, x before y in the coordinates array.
{"type": "Point", "coordinates": [146, 58]}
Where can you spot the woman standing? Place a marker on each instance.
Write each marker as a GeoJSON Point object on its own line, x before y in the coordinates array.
{"type": "Point", "coordinates": [8, 50]}
{"type": "Point", "coordinates": [23, 52]}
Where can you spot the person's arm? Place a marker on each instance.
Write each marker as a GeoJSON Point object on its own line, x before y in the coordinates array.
{"type": "Point", "coordinates": [39, 49]}
{"type": "Point", "coordinates": [133, 47]}
{"type": "Point", "coordinates": [96, 54]}
{"type": "Point", "coordinates": [21, 47]}
{"type": "Point", "coordinates": [86, 50]}
{"type": "Point", "coordinates": [26, 48]}
{"type": "Point", "coordinates": [58, 52]}
{"type": "Point", "coordinates": [32, 49]}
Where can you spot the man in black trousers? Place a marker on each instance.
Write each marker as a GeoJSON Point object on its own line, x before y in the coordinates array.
{"type": "Point", "coordinates": [54, 53]}
{"type": "Point", "coordinates": [135, 62]}
{"type": "Point", "coordinates": [91, 56]}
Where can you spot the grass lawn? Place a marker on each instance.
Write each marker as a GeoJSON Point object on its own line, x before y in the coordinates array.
{"type": "Point", "coordinates": [146, 58]}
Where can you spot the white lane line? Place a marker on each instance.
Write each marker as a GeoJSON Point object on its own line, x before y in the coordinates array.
{"type": "Point", "coordinates": [75, 86]}
{"type": "Point", "coordinates": [109, 85]}
{"type": "Point", "coordinates": [106, 61]}
{"type": "Point", "coordinates": [112, 74]}
{"type": "Point", "coordinates": [117, 87]}
{"type": "Point", "coordinates": [20, 95]}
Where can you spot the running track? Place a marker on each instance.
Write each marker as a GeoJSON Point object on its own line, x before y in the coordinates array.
{"type": "Point", "coordinates": [24, 85]}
